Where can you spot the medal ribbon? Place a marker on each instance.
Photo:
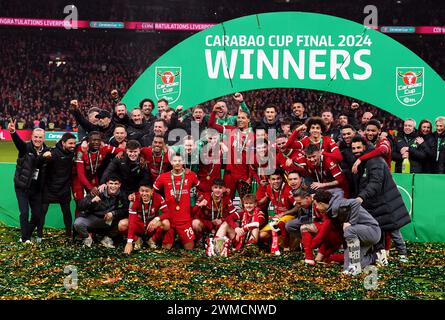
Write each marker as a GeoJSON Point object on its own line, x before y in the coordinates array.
{"type": "Point", "coordinates": [177, 198]}
{"type": "Point", "coordinates": [219, 209]}
{"type": "Point", "coordinates": [144, 218]}
{"type": "Point", "coordinates": [162, 160]}
{"type": "Point", "coordinates": [93, 171]}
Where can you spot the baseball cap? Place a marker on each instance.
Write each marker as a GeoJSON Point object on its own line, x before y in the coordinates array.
{"type": "Point", "coordinates": [103, 114]}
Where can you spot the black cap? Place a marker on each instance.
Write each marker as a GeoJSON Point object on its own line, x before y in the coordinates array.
{"type": "Point", "coordinates": [103, 114]}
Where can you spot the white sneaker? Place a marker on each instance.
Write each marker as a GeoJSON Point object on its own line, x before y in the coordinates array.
{"type": "Point", "coordinates": [107, 242]}
{"type": "Point", "coordinates": [88, 242]}
{"type": "Point", "coordinates": [152, 244]}
{"type": "Point", "coordinates": [25, 242]}
{"type": "Point", "coordinates": [39, 240]}
{"type": "Point", "coordinates": [309, 262]}
{"type": "Point", "coordinates": [138, 244]}
{"type": "Point", "coordinates": [381, 258]}
{"type": "Point", "coordinates": [277, 253]}
{"type": "Point", "coordinates": [403, 258]}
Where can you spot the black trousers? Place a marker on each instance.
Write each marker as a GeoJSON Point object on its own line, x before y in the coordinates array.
{"type": "Point", "coordinates": [26, 200]}
{"type": "Point", "coordinates": [67, 218]}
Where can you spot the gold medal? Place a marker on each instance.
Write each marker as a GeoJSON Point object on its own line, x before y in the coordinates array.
{"type": "Point", "coordinates": [208, 177]}
{"type": "Point", "coordinates": [177, 208]}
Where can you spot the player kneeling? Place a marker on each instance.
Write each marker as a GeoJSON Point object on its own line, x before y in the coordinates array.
{"type": "Point", "coordinates": [143, 220]}
{"type": "Point", "coordinates": [251, 220]}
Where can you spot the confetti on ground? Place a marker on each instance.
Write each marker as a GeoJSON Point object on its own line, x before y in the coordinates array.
{"type": "Point", "coordinates": [45, 272]}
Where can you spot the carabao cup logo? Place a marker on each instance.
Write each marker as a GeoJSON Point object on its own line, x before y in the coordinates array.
{"type": "Point", "coordinates": [410, 85]}
{"type": "Point", "coordinates": [168, 83]}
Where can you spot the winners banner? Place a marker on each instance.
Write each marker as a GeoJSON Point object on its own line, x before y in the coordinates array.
{"type": "Point", "coordinates": [293, 50]}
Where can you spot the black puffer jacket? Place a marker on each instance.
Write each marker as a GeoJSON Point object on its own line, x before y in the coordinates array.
{"type": "Point", "coordinates": [428, 165]}
{"type": "Point", "coordinates": [296, 120]}
{"type": "Point", "coordinates": [131, 173]}
{"type": "Point", "coordinates": [116, 204]}
{"type": "Point", "coordinates": [417, 153]}
{"type": "Point", "coordinates": [267, 125]}
{"type": "Point", "coordinates": [29, 165]}
{"type": "Point", "coordinates": [137, 131]}
{"type": "Point", "coordinates": [438, 146]}
{"type": "Point", "coordinates": [334, 133]}
{"type": "Point", "coordinates": [57, 175]}
{"type": "Point", "coordinates": [124, 121]}
{"type": "Point", "coordinates": [107, 132]}
{"type": "Point", "coordinates": [381, 197]}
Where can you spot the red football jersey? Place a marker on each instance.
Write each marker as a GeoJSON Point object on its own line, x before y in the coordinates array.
{"type": "Point", "coordinates": [241, 147]}
{"type": "Point", "coordinates": [326, 144]}
{"type": "Point", "coordinates": [213, 210]}
{"type": "Point", "coordinates": [210, 170]}
{"type": "Point", "coordinates": [383, 149]}
{"type": "Point", "coordinates": [88, 162]}
{"type": "Point", "coordinates": [299, 162]}
{"type": "Point", "coordinates": [156, 164]}
{"type": "Point", "coordinates": [328, 172]}
{"type": "Point", "coordinates": [151, 211]}
{"type": "Point", "coordinates": [280, 199]}
{"type": "Point", "coordinates": [249, 221]}
{"type": "Point", "coordinates": [179, 212]}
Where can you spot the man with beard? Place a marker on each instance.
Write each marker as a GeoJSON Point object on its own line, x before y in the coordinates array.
{"type": "Point", "coordinates": [406, 147]}
{"type": "Point", "coordinates": [57, 181]}
{"type": "Point", "coordinates": [378, 193]}
{"type": "Point", "coordinates": [120, 115]}
{"type": "Point", "coordinates": [347, 133]}
{"type": "Point", "coordinates": [156, 157]}
{"type": "Point", "coordinates": [28, 178]}
{"type": "Point", "coordinates": [331, 131]}
{"type": "Point", "coordinates": [343, 121]}
{"type": "Point", "coordinates": [147, 105]}
{"type": "Point", "coordinates": [92, 113]}
{"type": "Point", "coordinates": [137, 127]}
{"type": "Point", "coordinates": [439, 145]}
{"type": "Point", "coordinates": [104, 125]}
{"type": "Point", "coordinates": [298, 115]}
{"type": "Point", "coordinates": [102, 213]}
{"type": "Point", "coordinates": [382, 146]}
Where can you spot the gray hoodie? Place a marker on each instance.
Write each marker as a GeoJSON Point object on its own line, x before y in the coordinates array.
{"type": "Point", "coordinates": [349, 210]}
